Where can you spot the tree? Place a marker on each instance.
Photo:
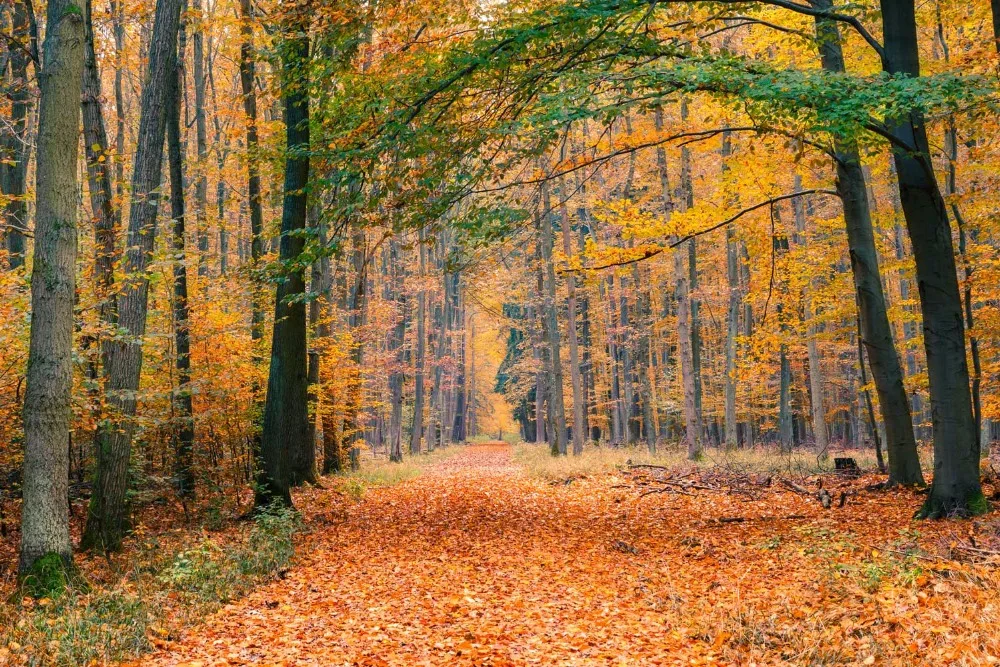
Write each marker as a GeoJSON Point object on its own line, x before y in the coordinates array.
{"type": "Point", "coordinates": [14, 141]}
{"type": "Point", "coordinates": [876, 332]}
{"type": "Point", "coordinates": [49, 381]}
{"type": "Point", "coordinates": [106, 519]}
{"type": "Point", "coordinates": [955, 488]}
{"type": "Point", "coordinates": [285, 442]}
{"type": "Point", "coordinates": [183, 430]}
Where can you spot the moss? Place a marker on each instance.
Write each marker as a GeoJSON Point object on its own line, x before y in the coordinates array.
{"type": "Point", "coordinates": [936, 508]}
{"type": "Point", "coordinates": [49, 576]}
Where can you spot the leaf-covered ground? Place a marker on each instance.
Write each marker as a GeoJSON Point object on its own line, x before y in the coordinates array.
{"type": "Point", "coordinates": [476, 562]}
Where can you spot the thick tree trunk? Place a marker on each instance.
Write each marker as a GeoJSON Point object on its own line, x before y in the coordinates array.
{"type": "Point", "coordinates": [183, 409]}
{"type": "Point", "coordinates": [287, 455]}
{"type": "Point", "coordinates": [887, 372]}
{"type": "Point", "coordinates": [49, 381]}
{"type": "Point", "coordinates": [15, 144]}
{"type": "Point", "coordinates": [955, 488]}
{"type": "Point", "coordinates": [106, 520]}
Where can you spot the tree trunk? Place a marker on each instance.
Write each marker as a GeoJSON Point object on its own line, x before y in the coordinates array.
{"type": "Point", "coordinates": [550, 329]}
{"type": "Point", "coordinates": [201, 138]}
{"type": "Point", "coordinates": [15, 144]}
{"type": "Point", "coordinates": [887, 372]}
{"type": "Point", "coordinates": [49, 382]}
{"type": "Point", "coordinates": [576, 379]}
{"type": "Point", "coordinates": [183, 409]}
{"type": "Point", "coordinates": [421, 352]}
{"type": "Point", "coordinates": [785, 434]}
{"type": "Point", "coordinates": [287, 456]}
{"type": "Point", "coordinates": [248, 76]}
{"type": "Point", "coordinates": [812, 349]}
{"type": "Point", "coordinates": [106, 520]}
{"type": "Point", "coordinates": [955, 488]}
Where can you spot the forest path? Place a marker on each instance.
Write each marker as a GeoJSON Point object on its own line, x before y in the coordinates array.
{"type": "Point", "coordinates": [472, 562]}
{"type": "Point", "coordinates": [475, 562]}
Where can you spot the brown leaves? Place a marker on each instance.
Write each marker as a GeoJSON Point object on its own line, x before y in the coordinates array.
{"type": "Point", "coordinates": [473, 563]}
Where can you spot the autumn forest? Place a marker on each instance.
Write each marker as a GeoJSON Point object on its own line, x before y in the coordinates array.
{"type": "Point", "coordinates": [571, 332]}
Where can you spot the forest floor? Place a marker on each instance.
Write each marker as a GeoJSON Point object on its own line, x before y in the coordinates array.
{"type": "Point", "coordinates": [480, 561]}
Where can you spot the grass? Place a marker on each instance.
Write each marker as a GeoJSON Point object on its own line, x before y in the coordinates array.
{"type": "Point", "coordinates": [378, 472]}
{"type": "Point", "coordinates": [152, 590]}
{"type": "Point", "coordinates": [537, 460]}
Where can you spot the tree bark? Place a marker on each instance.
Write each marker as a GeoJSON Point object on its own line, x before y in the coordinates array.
{"type": "Point", "coordinates": [887, 372]}
{"type": "Point", "coordinates": [49, 381]}
{"type": "Point", "coordinates": [183, 409]}
{"type": "Point", "coordinates": [106, 520]}
{"type": "Point", "coordinates": [550, 329]}
{"type": "Point", "coordinates": [576, 379]}
{"type": "Point", "coordinates": [421, 352]}
{"type": "Point", "coordinates": [201, 138]}
{"type": "Point", "coordinates": [15, 145]}
{"type": "Point", "coordinates": [818, 410]}
{"type": "Point", "coordinates": [955, 488]}
{"type": "Point", "coordinates": [248, 76]}
{"type": "Point", "coordinates": [287, 455]}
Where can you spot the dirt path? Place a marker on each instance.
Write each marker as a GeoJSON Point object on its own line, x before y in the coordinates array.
{"type": "Point", "coordinates": [475, 563]}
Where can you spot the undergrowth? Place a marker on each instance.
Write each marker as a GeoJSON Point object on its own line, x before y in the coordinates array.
{"type": "Point", "coordinates": [90, 624]}
{"type": "Point", "coordinates": [381, 472]}
{"type": "Point", "coordinates": [537, 460]}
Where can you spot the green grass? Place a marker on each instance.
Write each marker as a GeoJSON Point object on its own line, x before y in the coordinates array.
{"type": "Point", "coordinates": [537, 460]}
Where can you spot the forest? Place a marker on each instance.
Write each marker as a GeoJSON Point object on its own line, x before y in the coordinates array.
{"type": "Point", "coordinates": [499, 333]}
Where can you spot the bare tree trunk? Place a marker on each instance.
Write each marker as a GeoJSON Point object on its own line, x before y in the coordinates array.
{"type": "Point", "coordinates": [687, 316]}
{"type": "Point", "coordinates": [106, 520]}
{"type": "Point", "coordinates": [47, 400]}
{"type": "Point", "coordinates": [287, 455]}
{"type": "Point", "coordinates": [955, 488]}
{"type": "Point", "coordinates": [15, 144]}
{"type": "Point", "coordinates": [248, 78]}
{"type": "Point", "coordinates": [201, 138]}
{"type": "Point", "coordinates": [576, 379]}
{"type": "Point", "coordinates": [393, 292]}
{"type": "Point", "coordinates": [106, 216]}
{"type": "Point", "coordinates": [887, 372]}
{"type": "Point", "coordinates": [550, 329]}
{"type": "Point", "coordinates": [221, 153]}
{"type": "Point", "coordinates": [182, 406]}
{"type": "Point", "coordinates": [812, 349]}
{"type": "Point", "coordinates": [421, 352]}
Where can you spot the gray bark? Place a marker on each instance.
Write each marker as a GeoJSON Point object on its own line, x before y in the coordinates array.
{"type": "Point", "coordinates": [288, 456]}
{"type": "Point", "coordinates": [421, 352]}
{"type": "Point", "coordinates": [15, 144]}
{"type": "Point", "coordinates": [956, 488]}
{"type": "Point", "coordinates": [887, 372]}
{"type": "Point", "coordinates": [49, 381]}
{"type": "Point", "coordinates": [576, 379]}
{"type": "Point", "coordinates": [106, 521]}
{"type": "Point", "coordinates": [550, 329]}
{"type": "Point", "coordinates": [183, 428]}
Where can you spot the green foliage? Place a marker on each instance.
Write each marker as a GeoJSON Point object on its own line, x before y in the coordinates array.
{"type": "Point", "coordinates": [464, 121]}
